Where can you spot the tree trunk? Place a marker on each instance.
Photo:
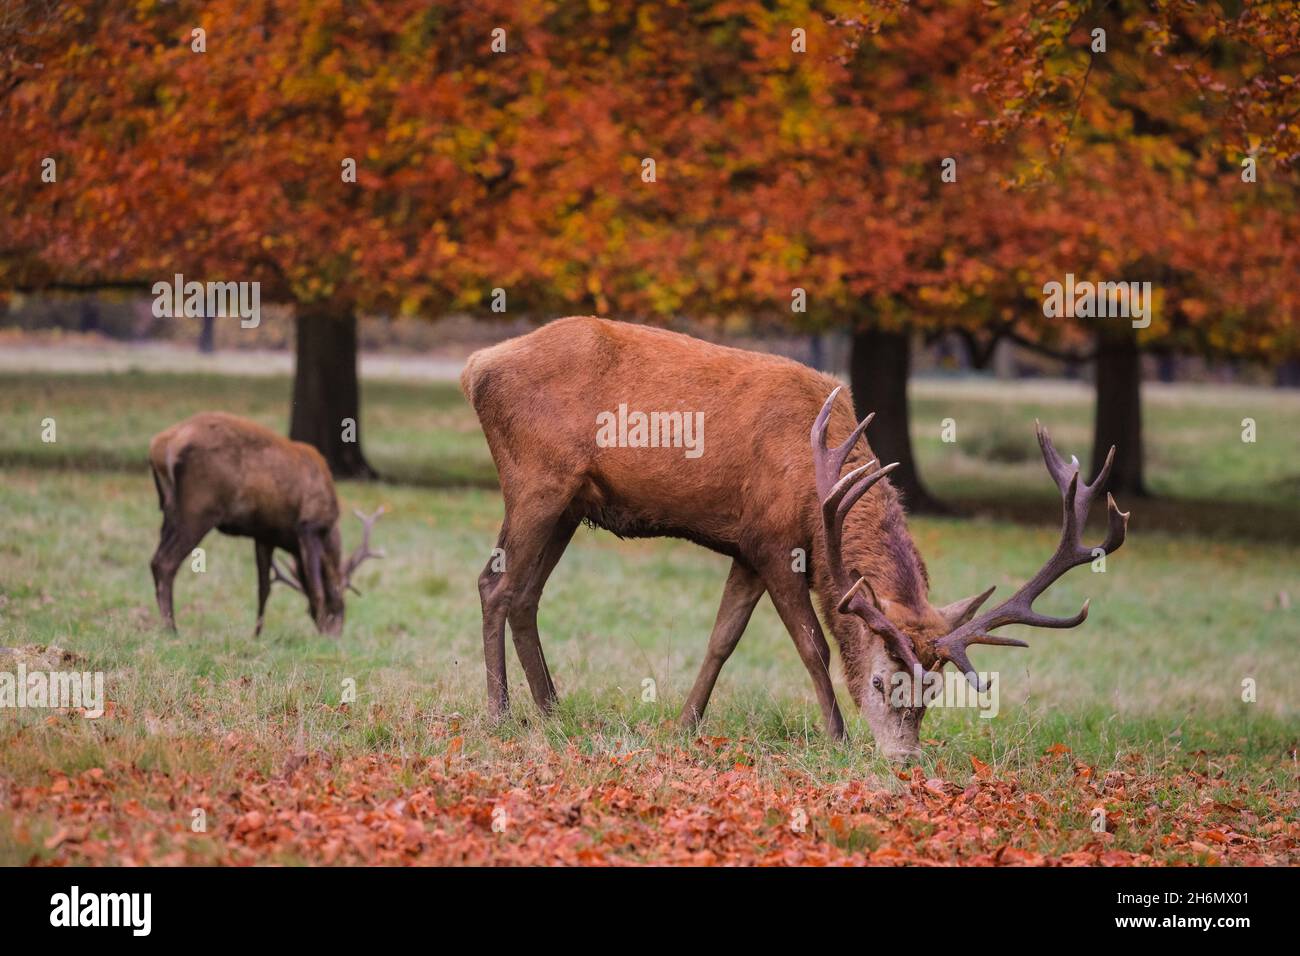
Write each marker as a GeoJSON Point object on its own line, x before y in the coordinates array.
{"type": "Point", "coordinates": [207, 335]}
{"type": "Point", "coordinates": [878, 370]}
{"type": "Point", "coordinates": [326, 396]}
{"type": "Point", "coordinates": [1119, 411]}
{"type": "Point", "coordinates": [89, 315]}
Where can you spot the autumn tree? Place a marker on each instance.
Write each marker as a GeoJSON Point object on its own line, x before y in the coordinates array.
{"type": "Point", "coordinates": [853, 194]}
{"type": "Point", "coordinates": [336, 153]}
{"type": "Point", "coordinates": [890, 168]}
{"type": "Point", "coordinates": [936, 163]}
{"type": "Point", "coordinates": [1164, 138]}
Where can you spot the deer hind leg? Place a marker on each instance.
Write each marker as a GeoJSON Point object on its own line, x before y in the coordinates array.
{"type": "Point", "coordinates": [178, 539]}
{"type": "Point", "coordinates": [790, 597]}
{"type": "Point", "coordinates": [263, 552]}
{"type": "Point", "coordinates": [523, 615]}
{"type": "Point", "coordinates": [739, 597]}
{"type": "Point", "coordinates": [530, 521]}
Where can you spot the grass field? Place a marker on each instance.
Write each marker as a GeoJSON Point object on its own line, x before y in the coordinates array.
{"type": "Point", "coordinates": [1139, 712]}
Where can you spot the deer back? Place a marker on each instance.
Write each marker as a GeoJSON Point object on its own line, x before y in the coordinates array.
{"type": "Point", "coordinates": [248, 478]}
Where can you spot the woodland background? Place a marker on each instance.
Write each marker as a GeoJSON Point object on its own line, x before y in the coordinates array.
{"type": "Point", "coordinates": [774, 170]}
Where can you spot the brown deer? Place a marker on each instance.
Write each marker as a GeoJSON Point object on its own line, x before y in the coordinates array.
{"type": "Point", "coordinates": [755, 494]}
{"type": "Point", "coordinates": [221, 471]}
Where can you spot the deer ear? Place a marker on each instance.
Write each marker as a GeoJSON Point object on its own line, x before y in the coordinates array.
{"type": "Point", "coordinates": [959, 612]}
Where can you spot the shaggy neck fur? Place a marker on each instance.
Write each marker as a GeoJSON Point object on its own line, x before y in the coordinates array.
{"type": "Point", "coordinates": [876, 543]}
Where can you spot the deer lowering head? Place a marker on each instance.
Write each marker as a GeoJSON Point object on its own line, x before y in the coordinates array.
{"type": "Point", "coordinates": [336, 576]}
{"type": "Point", "coordinates": [587, 420]}
{"type": "Point", "coordinates": [215, 470]}
{"type": "Point", "coordinates": [911, 642]}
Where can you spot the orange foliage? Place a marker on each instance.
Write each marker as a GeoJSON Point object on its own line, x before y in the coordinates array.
{"type": "Point", "coordinates": [703, 806]}
{"type": "Point", "coordinates": [775, 169]}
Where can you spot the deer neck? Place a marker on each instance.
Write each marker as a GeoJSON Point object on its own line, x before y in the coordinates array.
{"type": "Point", "coordinates": [877, 544]}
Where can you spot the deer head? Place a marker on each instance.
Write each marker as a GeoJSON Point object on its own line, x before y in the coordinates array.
{"type": "Point", "coordinates": [904, 642]}
{"type": "Point", "coordinates": [335, 575]}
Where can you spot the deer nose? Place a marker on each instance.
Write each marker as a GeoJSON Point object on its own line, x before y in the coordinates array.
{"type": "Point", "coordinates": [903, 755]}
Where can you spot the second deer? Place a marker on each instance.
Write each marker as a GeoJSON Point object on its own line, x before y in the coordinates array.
{"type": "Point", "coordinates": [215, 470]}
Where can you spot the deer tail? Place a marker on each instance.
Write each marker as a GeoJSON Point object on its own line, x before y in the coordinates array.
{"type": "Point", "coordinates": [163, 462]}
{"type": "Point", "coordinates": [481, 379]}
{"type": "Point", "coordinates": [467, 376]}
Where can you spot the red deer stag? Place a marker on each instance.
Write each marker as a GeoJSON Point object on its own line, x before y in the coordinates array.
{"type": "Point", "coordinates": [220, 471]}
{"type": "Point", "coordinates": [757, 496]}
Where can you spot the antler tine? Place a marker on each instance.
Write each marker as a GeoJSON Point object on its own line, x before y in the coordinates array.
{"type": "Point", "coordinates": [829, 462]}
{"type": "Point", "coordinates": [284, 576]}
{"type": "Point", "coordinates": [1061, 473]}
{"type": "Point", "coordinates": [1071, 522]}
{"type": "Point", "coordinates": [1117, 525]}
{"type": "Point", "coordinates": [1000, 641]}
{"type": "Point", "coordinates": [1104, 475]}
{"type": "Point", "coordinates": [839, 495]}
{"type": "Point", "coordinates": [853, 492]}
{"type": "Point", "coordinates": [842, 486]}
{"type": "Point", "coordinates": [368, 520]}
{"type": "Point", "coordinates": [363, 550]}
{"type": "Point", "coordinates": [821, 455]}
{"type": "Point", "coordinates": [849, 489]}
{"type": "Point", "coordinates": [854, 603]}
{"type": "Point", "coordinates": [1056, 465]}
{"type": "Point", "coordinates": [1076, 501]}
{"type": "Point", "coordinates": [958, 656]}
{"type": "Point", "coordinates": [832, 521]}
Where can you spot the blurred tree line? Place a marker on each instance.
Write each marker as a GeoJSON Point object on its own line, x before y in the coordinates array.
{"type": "Point", "coordinates": [891, 169]}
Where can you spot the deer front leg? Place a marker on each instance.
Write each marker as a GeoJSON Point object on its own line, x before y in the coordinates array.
{"type": "Point", "coordinates": [790, 597]}
{"type": "Point", "coordinates": [523, 616]}
{"type": "Point", "coordinates": [531, 520]}
{"type": "Point", "coordinates": [490, 582]}
{"type": "Point", "coordinates": [310, 572]}
{"type": "Point", "coordinates": [263, 552]}
{"type": "Point", "coordinates": [739, 597]}
{"type": "Point", "coordinates": [177, 540]}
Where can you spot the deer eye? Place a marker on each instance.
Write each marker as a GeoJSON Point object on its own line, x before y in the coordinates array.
{"type": "Point", "coordinates": [877, 683]}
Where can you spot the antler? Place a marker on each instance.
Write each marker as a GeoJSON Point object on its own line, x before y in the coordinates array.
{"type": "Point", "coordinates": [363, 549]}
{"type": "Point", "coordinates": [284, 576]}
{"type": "Point", "coordinates": [1076, 499]}
{"type": "Point", "coordinates": [838, 496]}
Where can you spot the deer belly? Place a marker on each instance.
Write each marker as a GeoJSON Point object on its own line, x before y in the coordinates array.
{"type": "Point", "coordinates": [254, 522]}
{"type": "Point", "coordinates": [625, 518]}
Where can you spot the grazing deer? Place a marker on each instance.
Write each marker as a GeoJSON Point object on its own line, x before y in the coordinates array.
{"type": "Point", "coordinates": [755, 494]}
{"type": "Point", "coordinates": [220, 471]}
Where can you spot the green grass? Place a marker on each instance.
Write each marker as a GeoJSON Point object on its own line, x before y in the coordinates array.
{"type": "Point", "coordinates": [1180, 618]}
{"type": "Point", "coordinates": [1205, 477]}
{"type": "Point", "coordinates": [417, 434]}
